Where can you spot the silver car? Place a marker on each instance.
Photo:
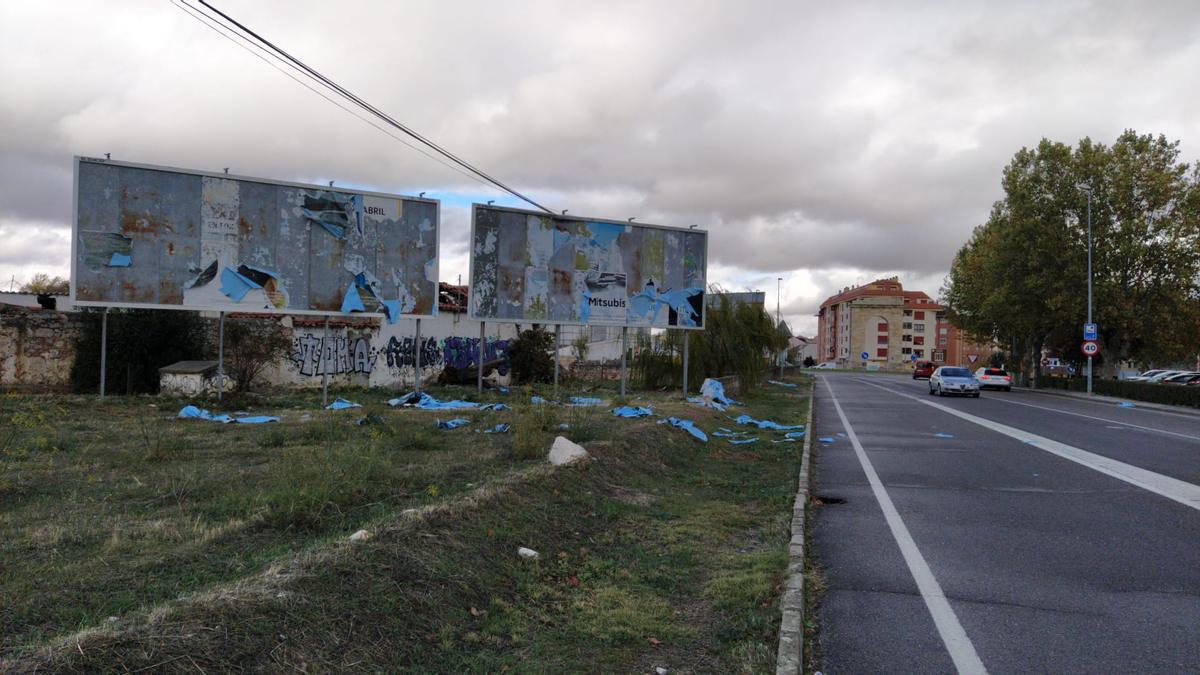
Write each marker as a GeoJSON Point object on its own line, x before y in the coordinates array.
{"type": "Point", "coordinates": [951, 380]}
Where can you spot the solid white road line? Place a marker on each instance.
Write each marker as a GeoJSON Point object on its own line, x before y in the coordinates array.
{"type": "Point", "coordinates": [1172, 488]}
{"type": "Point", "coordinates": [962, 652]}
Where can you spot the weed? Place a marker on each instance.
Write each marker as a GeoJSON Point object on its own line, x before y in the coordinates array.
{"type": "Point", "coordinates": [533, 430]}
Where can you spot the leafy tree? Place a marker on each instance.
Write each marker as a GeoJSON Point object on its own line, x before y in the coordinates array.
{"type": "Point", "coordinates": [809, 362]}
{"type": "Point", "coordinates": [579, 346]}
{"type": "Point", "coordinates": [1022, 277]}
{"type": "Point", "coordinates": [140, 341]}
{"type": "Point", "coordinates": [44, 284]}
{"type": "Point", "coordinates": [530, 358]}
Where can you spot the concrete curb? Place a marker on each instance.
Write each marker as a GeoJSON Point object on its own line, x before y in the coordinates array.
{"type": "Point", "coordinates": [790, 658]}
{"type": "Point", "coordinates": [1097, 398]}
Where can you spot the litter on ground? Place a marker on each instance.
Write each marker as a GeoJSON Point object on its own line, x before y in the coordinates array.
{"type": "Point", "coordinates": [191, 412]}
{"type": "Point", "coordinates": [581, 401]}
{"type": "Point", "coordinates": [500, 428]}
{"type": "Point", "coordinates": [725, 433]}
{"type": "Point", "coordinates": [742, 441]}
{"type": "Point", "coordinates": [342, 404]}
{"type": "Point", "coordinates": [942, 434]}
{"type": "Point", "coordinates": [452, 424]}
{"type": "Point", "coordinates": [1126, 404]}
{"type": "Point", "coordinates": [793, 435]}
{"type": "Point", "coordinates": [767, 424]}
{"type": "Point", "coordinates": [782, 384]}
{"type": "Point", "coordinates": [632, 411]}
{"type": "Point", "coordinates": [785, 440]}
{"type": "Point", "coordinates": [426, 402]}
{"type": "Point", "coordinates": [687, 425]}
{"type": "Point", "coordinates": [826, 439]}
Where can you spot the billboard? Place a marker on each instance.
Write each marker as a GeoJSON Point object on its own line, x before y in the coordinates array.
{"type": "Point", "coordinates": [533, 267]}
{"type": "Point", "coordinates": [166, 238]}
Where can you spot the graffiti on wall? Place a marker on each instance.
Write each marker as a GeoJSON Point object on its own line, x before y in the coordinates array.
{"type": "Point", "coordinates": [312, 355]}
{"type": "Point", "coordinates": [354, 355]}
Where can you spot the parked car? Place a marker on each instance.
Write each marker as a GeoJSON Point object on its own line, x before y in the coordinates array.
{"type": "Point", "coordinates": [996, 378]}
{"type": "Point", "coordinates": [1182, 378]}
{"type": "Point", "coordinates": [1194, 382]}
{"type": "Point", "coordinates": [825, 366]}
{"type": "Point", "coordinates": [1164, 375]}
{"type": "Point", "coordinates": [1146, 375]}
{"type": "Point", "coordinates": [951, 380]}
{"type": "Point", "coordinates": [923, 370]}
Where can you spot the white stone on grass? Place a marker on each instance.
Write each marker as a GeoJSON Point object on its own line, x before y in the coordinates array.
{"type": "Point", "coordinates": [528, 553]}
{"type": "Point", "coordinates": [565, 452]}
{"type": "Point", "coordinates": [361, 535]}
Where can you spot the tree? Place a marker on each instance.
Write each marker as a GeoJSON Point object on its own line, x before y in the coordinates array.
{"type": "Point", "coordinates": [1022, 277]}
{"type": "Point", "coordinates": [530, 358]}
{"type": "Point", "coordinates": [44, 284]}
{"type": "Point", "coordinates": [140, 341]}
{"type": "Point", "coordinates": [250, 346]}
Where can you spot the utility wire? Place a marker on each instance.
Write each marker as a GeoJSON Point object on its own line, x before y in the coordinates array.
{"type": "Point", "coordinates": [225, 33]}
{"type": "Point", "coordinates": [345, 93]}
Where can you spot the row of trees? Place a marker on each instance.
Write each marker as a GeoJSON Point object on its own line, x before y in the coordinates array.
{"type": "Point", "coordinates": [1021, 280]}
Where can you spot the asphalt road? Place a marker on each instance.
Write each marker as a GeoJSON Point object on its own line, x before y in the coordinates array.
{"type": "Point", "coordinates": [1015, 532]}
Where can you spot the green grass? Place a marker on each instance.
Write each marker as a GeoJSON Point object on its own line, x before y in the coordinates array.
{"type": "Point", "coordinates": [220, 547]}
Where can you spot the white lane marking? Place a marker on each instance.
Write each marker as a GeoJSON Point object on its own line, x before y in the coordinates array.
{"type": "Point", "coordinates": [962, 652]}
{"type": "Point", "coordinates": [1172, 488]}
{"type": "Point", "coordinates": [1090, 417]}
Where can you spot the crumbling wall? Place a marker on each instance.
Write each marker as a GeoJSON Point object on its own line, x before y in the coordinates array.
{"type": "Point", "coordinates": [37, 348]}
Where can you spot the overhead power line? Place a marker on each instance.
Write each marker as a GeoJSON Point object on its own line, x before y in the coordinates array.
{"type": "Point", "coordinates": [284, 57]}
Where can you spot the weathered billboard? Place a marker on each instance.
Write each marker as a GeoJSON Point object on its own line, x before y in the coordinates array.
{"type": "Point", "coordinates": [166, 238]}
{"type": "Point", "coordinates": [533, 267]}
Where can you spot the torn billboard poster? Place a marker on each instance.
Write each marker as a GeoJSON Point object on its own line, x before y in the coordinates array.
{"type": "Point", "coordinates": [158, 237]}
{"type": "Point", "coordinates": [528, 266]}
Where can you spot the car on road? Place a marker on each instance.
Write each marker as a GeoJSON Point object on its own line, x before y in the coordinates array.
{"type": "Point", "coordinates": [825, 366]}
{"type": "Point", "coordinates": [996, 378]}
{"type": "Point", "coordinates": [952, 380]}
{"type": "Point", "coordinates": [924, 370]}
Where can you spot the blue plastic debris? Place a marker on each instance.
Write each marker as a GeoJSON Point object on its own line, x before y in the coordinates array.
{"type": "Point", "coordinates": [537, 400]}
{"type": "Point", "coordinates": [564, 425]}
{"type": "Point", "coordinates": [743, 441]}
{"type": "Point", "coordinates": [502, 390]}
{"type": "Point", "coordinates": [941, 434]}
{"type": "Point", "coordinates": [342, 404]}
{"type": "Point", "coordinates": [494, 406]}
{"type": "Point", "coordinates": [392, 309]}
{"type": "Point", "coordinates": [687, 425]}
{"type": "Point", "coordinates": [722, 433]}
{"type": "Point", "coordinates": [236, 286]}
{"type": "Point", "coordinates": [452, 424]}
{"type": "Point", "coordinates": [785, 440]}
{"type": "Point", "coordinates": [632, 411]}
{"type": "Point", "coordinates": [842, 434]}
{"type": "Point", "coordinates": [426, 402]}
{"type": "Point", "coordinates": [1126, 404]}
{"type": "Point", "coordinates": [119, 260]}
{"type": "Point", "coordinates": [767, 424]}
{"type": "Point", "coordinates": [194, 413]}
{"type": "Point", "coordinates": [500, 428]}
{"type": "Point", "coordinates": [582, 401]}
{"type": "Point", "coordinates": [826, 439]}
{"type": "Point", "coordinates": [782, 384]}
{"type": "Point", "coordinates": [794, 435]}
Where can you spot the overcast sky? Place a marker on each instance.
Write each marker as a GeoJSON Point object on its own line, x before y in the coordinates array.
{"type": "Point", "coordinates": [825, 146]}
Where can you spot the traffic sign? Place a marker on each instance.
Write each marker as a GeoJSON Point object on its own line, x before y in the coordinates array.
{"type": "Point", "coordinates": [972, 357]}
{"type": "Point", "coordinates": [1090, 348]}
{"type": "Point", "coordinates": [914, 357]}
{"type": "Point", "coordinates": [1089, 331]}
{"type": "Point", "coordinates": [865, 356]}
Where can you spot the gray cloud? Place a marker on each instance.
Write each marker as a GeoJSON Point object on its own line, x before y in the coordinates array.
{"type": "Point", "coordinates": [827, 144]}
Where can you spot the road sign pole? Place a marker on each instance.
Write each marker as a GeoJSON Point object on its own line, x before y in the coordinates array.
{"type": "Point", "coordinates": [1089, 219]}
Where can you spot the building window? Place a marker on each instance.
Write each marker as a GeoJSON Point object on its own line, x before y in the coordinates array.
{"type": "Point", "coordinates": [882, 339]}
{"type": "Point", "coordinates": [906, 350]}
{"type": "Point", "coordinates": [941, 342]}
{"type": "Point", "coordinates": [941, 316]}
{"type": "Point", "coordinates": [881, 352]}
{"type": "Point", "coordinates": [918, 328]}
{"type": "Point", "coordinates": [943, 330]}
{"type": "Point", "coordinates": [919, 316]}
{"type": "Point", "coordinates": [919, 340]}
{"type": "Point", "coordinates": [882, 327]}
{"type": "Point", "coordinates": [906, 338]}
{"type": "Point", "coordinates": [920, 353]}
{"type": "Point", "coordinates": [907, 325]}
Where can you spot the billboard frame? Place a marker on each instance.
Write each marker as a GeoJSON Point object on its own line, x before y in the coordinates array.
{"type": "Point", "coordinates": [80, 159]}
{"type": "Point", "coordinates": [556, 322]}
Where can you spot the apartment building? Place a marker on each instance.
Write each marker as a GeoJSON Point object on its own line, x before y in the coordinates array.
{"type": "Point", "coordinates": [892, 326]}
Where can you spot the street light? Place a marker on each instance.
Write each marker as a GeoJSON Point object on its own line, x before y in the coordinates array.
{"type": "Point", "coordinates": [1088, 190]}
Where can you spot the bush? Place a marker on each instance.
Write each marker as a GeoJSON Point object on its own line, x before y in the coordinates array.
{"type": "Point", "coordinates": [250, 346]}
{"type": "Point", "coordinates": [529, 356]}
{"type": "Point", "coordinates": [1137, 391]}
{"type": "Point", "coordinates": [140, 341]}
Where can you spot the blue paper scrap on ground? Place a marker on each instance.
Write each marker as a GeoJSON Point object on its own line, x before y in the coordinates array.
{"type": "Point", "coordinates": [687, 425]}
{"type": "Point", "coordinates": [580, 401]}
{"type": "Point", "coordinates": [500, 428]}
{"type": "Point", "coordinates": [632, 411]}
{"type": "Point", "coordinates": [342, 404]}
{"type": "Point", "coordinates": [426, 402]}
{"type": "Point", "coordinates": [826, 439]}
{"type": "Point", "coordinates": [1126, 404]}
{"type": "Point", "coordinates": [743, 441]}
{"type": "Point", "coordinates": [767, 424]}
{"type": "Point", "coordinates": [720, 433]}
{"type": "Point", "coordinates": [452, 424]}
{"type": "Point", "coordinates": [794, 435]}
{"type": "Point", "coordinates": [782, 384]}
{"type": "Point", "coordinates": [194, 413]}
{"type": "Point", "coordinates": [942, 434]}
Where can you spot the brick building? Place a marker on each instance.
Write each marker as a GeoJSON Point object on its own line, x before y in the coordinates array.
{"type": "Point", "coordinates": [894, 327]}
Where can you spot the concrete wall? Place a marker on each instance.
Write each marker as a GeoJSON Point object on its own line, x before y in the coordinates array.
{"type": "Point", "coordinates": [37, 348]}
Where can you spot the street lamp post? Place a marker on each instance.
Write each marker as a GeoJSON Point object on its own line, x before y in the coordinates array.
{"type": "Point", "coordinates": [1089, 319]}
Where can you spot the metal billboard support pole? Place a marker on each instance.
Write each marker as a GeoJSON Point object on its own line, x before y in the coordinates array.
{"type": "Point", "coordinates": [220, 356]}
{"type": "Point", "coordinates": [557, 348]}
{"type": "Point", "coordinates": [103, 351]}
{"type": "Point", "coordinates": [325, 350]}
{"type": "Point", "coordinates": [685, 362]}
{"type": "Point", "coordinates": [417, 356]}
{"type": "Point", "coordinates": [479, 375]}
{"type": "Point", "coordinates": [624, 348]}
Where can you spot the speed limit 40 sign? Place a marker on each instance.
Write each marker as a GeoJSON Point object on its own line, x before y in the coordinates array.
{"type": "Point", "coordinates": [1090, 348]}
